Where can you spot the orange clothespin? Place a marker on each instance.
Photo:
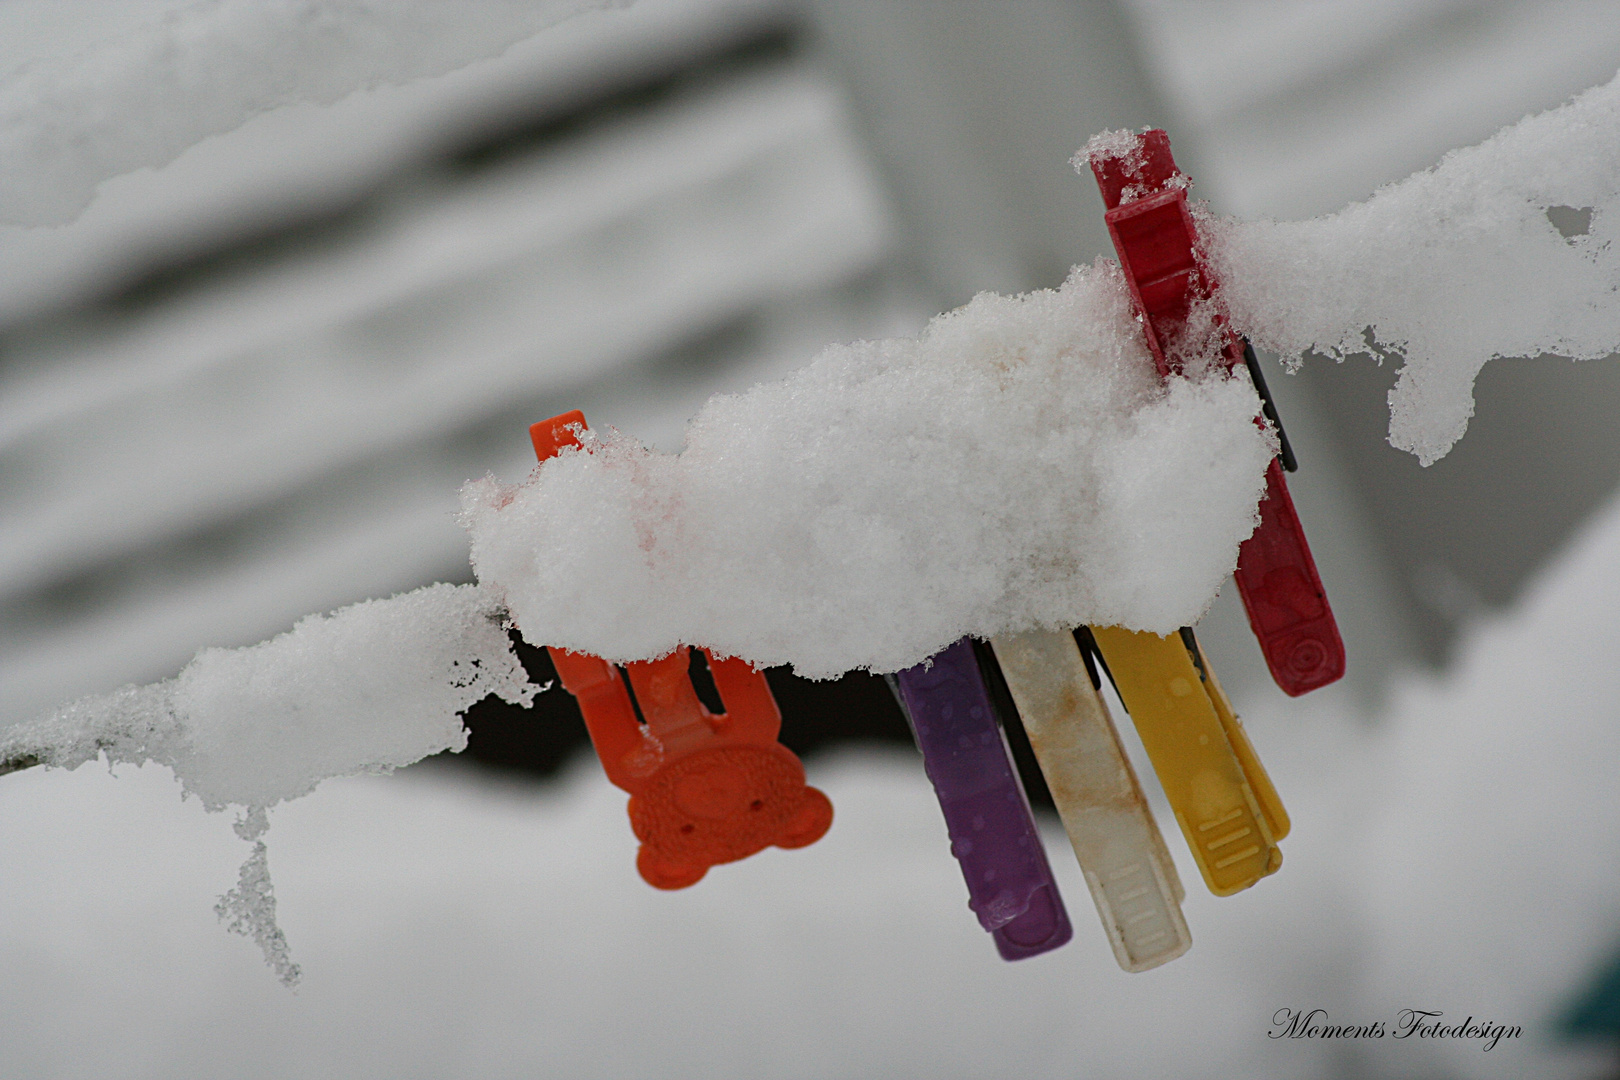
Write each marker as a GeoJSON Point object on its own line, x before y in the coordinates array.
{"type": "Point", "coordinates": [705, 788]}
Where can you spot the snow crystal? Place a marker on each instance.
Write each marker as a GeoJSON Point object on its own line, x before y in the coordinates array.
{"type": "Point", "coordinates": [1017, 465]}
{"type": "Point", "coordinates": [1124, 145]}
{"type": "Point", "coordinates": [1502, 249]}
{"type": "Point", "coordinates": [140, 100]}
{"type": "Point", "coordinates": [368, 688]}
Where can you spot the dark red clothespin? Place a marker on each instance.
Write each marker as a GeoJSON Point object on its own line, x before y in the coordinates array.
{"type": "Point", "coordinates": [1160, 251]}
{"type": "Point", "coordinates": [705, 788]}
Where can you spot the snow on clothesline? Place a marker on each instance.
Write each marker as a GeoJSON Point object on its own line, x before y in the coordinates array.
{"type": "Point", "coordinates": [1015, 465]}
{"type": "Point", "coordinates": [372, 687]}
{"type": "Point", "coordinates": [1451, 267]}
{"type": "Point", "coordinates": [140, 100]}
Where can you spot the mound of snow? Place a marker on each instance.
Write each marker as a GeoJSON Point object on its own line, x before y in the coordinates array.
{"type": "Point", "coordinates": [1018, 464]}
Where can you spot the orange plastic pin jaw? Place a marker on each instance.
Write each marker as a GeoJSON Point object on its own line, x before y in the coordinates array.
{"type": "Point", "coordinates": [552, 436]}
{"type": "Point", "coordinates": [674, 714]}
{"type": "Point", "coordinates": [705, 788]}
{"type": "Point", "coordinates": [628, 751]}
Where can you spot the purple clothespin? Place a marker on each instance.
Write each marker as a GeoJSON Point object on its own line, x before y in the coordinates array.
{"type": "Point", "coordinates": [1010, 884]}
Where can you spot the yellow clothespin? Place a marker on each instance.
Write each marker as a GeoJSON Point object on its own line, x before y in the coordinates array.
{"type": "Point", "coordinates": [1226, 805]}
{"type": "Point", "coordinates": [1132, 879]}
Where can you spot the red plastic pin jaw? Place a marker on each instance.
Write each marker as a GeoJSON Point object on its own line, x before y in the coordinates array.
{"type": "Point", "coordinates": [705, 788]}
{"type": "Point", "coordinates": [1156, 242]}
{"type": "Point", "coordinates": [1134, 166]}
{"type": "Point", "coordinates": [1283, 596]}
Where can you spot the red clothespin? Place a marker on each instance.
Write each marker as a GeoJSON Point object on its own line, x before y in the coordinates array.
{"type": "Point", "coordinates": [1163, 260]}
{"type": "Point", "coordinates": [704, 788]}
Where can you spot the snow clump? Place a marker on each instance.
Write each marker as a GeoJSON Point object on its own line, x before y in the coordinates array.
{"type": "Point", "coordinates": [369, 688]}
{"type": "Point", "coordinates": [1018, 464]}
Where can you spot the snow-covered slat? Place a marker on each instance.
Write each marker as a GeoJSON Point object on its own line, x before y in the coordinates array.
{"type": "Point", "coordinates": [547, 273]}
{"type": "Point", "coordinates": [1299, 109]}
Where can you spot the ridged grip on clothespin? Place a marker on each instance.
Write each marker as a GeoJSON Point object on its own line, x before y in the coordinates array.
{"type": "Point", "coordinates": [1132, 880]}
{"type": "Point", "coordinates": [1214, 790]}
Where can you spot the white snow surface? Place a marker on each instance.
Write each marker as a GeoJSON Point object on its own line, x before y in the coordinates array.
{"type": "Point", "coordinates": [1450, 267]}
{"type": "Point", "coordinates": [139, 99]}
{"type": "Point", "coordinates": [1018, 464]}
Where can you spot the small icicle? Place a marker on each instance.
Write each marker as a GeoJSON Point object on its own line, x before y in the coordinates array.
{"type": "Point", "coordinates": [251, 905]}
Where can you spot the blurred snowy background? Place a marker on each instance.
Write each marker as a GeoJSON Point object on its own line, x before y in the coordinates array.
{"type": "Point", "coordinates": [245, 385]}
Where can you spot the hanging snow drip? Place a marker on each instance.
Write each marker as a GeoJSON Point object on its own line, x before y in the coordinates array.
{"type": "Point", "coordinates": [1159, 249]}
{"type": "Point", "coordinates": [704, 788]}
